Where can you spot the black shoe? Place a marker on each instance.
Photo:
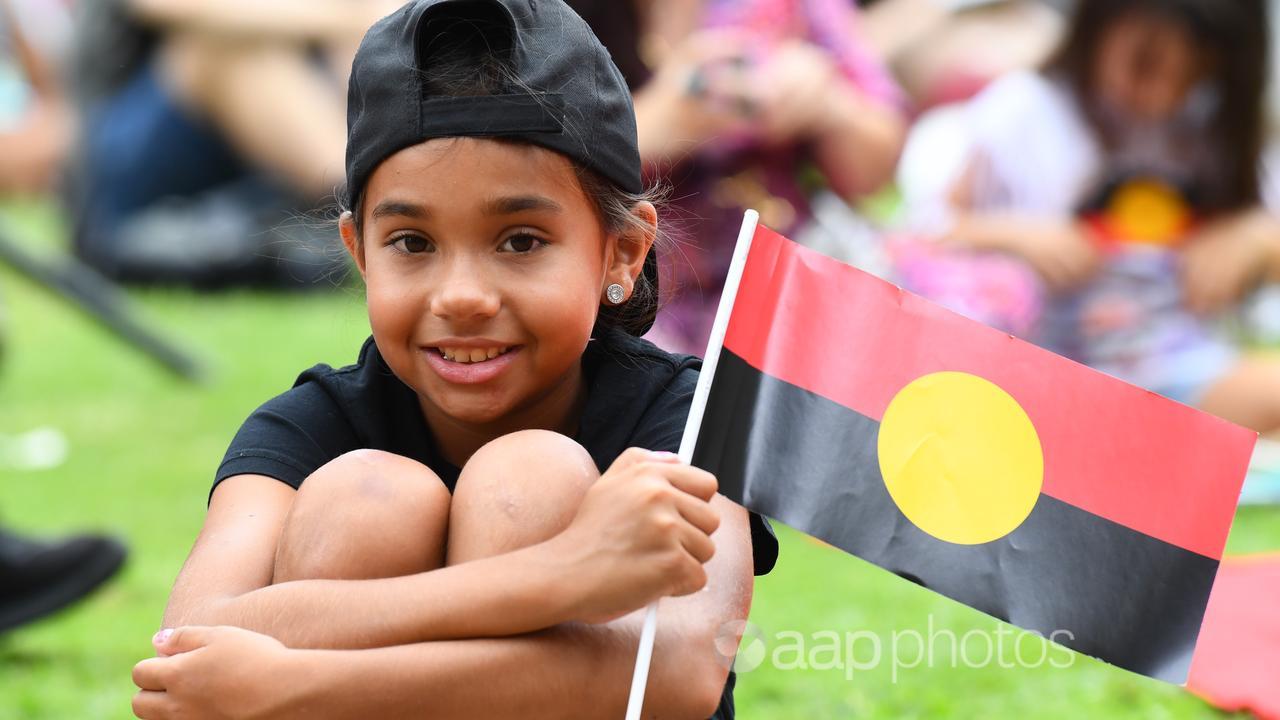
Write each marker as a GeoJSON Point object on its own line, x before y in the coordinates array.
{"type": "Point", "coordinates": [38, 578]}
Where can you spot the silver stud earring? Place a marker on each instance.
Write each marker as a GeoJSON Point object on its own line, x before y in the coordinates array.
{"type": "Point", "coordinates": [615, 294]}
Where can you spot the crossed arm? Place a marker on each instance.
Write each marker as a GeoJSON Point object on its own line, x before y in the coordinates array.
{"type": "Point", "coordinates": [494, 637]}
{"type": "Point", "coordinates": [569, 671]}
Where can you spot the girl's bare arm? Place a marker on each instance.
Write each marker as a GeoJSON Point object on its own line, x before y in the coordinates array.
{"type": "Point", "coordinates": [571, 670]}
{"type": "Point", "coordinates": [1058, 248]}
{"type": "Point", "coordinates": [226, 581]}
{"type": "Point", "coordinates": [1229, 256]}
{"type": "Point", "coordinates": [642, 531]}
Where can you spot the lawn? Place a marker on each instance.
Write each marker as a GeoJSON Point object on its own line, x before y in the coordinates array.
{"type": "Point", "coordinates": [144, 446]}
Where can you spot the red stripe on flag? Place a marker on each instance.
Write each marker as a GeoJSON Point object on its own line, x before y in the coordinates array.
{"type": "Point", "coordinates": [1110, 448]}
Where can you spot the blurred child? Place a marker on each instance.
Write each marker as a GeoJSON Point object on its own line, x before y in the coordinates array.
{"type": "Point", "coordinates": [758, 104]}
{"type": "Point", "coordinates": [1126, 174]}
{"type": "Point", "coordinates": [464, 520]}
{"type": "Point", "coordinates": [206, 127]}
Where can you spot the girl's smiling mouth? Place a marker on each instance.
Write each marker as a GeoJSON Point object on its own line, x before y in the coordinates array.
{"type": "Point", "coordinates": [470, 363]}
{"type": "Point", "coordinates": [471, 355]}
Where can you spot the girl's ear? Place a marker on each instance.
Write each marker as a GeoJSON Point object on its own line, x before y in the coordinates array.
{"type": "Point", "coordinates": [351, 239]}
{"type": "Point", "coordinates": [630, 249]}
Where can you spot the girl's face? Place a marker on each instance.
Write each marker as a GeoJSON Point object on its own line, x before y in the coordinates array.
{"type": "Point", "coordinates": [1145, 67]}
{"type": "Point", "coordinates": [484, 264]}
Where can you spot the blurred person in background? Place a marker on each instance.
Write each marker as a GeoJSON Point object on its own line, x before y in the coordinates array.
{"type": "Point", "coordinates": [35, 120]}
{"type": "Point", "coordinates": [207, 126]}
{"type": "Point", "coordinates": [38, 577]}
{"type": "Point", "coordinates": [944, 51]}
{"type": "Point", "coordinates": [747, 104]}
{"type": "Point", "coordinates": [1126, 176]}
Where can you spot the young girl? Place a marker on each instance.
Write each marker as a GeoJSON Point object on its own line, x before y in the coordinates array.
{"type": "Point", "coordinates": [428, 531]}
{"type": "Point", "coordinates": [1126, 175]}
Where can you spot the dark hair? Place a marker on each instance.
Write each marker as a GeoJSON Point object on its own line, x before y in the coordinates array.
{"type": "Point", "coordinates": [1233, 34]}
{"type": "Point", "coordinates": [466, 52]}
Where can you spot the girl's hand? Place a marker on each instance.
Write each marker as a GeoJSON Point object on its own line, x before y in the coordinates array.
{"type": "Point", "coordinates": [643, 532]}
{"type": "Point", "coordinates": [215, 673]}
{"type": "Point", "coordinates": [1227, 259]}
{"type": "Point", "coordinates": [1060, 251]}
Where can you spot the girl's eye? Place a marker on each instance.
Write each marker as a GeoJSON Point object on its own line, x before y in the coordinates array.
{"type": "Point", "coordinates": [412, 244]}
{"type": "Point", "coordinates": [521, 243]}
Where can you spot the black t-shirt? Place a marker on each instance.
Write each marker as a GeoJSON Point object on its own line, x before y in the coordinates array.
{"type": "Point", "coordinates": [637, 396]}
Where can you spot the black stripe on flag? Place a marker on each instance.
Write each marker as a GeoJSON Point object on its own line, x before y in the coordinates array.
{"type": "Point", "coordinates": [1125, 597]}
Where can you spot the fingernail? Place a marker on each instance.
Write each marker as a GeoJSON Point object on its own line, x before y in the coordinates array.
{"type": "Point", "coordinates": [162, 637]}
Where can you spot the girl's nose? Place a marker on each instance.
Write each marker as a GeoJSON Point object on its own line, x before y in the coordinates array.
{"type": "Point", "coordinates": [464, 294]}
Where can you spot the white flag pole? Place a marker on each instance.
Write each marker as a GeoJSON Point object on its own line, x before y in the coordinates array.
{"type": "Point", "coordinates": [749, 221]}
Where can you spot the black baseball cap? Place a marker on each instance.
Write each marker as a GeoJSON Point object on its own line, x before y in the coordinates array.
{"type": "Point", "coordinates": [568, 95]}
{"type": "Point", "coordinates": [565, 95]}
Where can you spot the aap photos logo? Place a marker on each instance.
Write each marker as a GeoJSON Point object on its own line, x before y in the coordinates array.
{"type": "Point", "coordinates": [752, 650]}
{"type": "Point", "coordinates": [856, 651]}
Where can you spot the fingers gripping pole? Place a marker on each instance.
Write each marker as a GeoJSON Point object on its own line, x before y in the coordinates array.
{"type": "Point", "coordinates": [644, 654]}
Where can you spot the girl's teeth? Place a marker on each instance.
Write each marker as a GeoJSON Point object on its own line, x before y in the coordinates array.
{"type": "Point", "coordinates": [465, 355]}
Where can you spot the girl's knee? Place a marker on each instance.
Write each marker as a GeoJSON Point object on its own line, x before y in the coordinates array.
{"type": "Point", "coordinates": [373, 480]}
{"type": "Point", "coordinates": [533, 461]}
{"type": "Point", "coordinates": [516, 491]}
{"type": "Point", "coordinates": [365, 514]}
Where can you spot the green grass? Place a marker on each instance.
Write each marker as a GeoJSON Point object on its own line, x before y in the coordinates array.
{"type": "Point", "coordinates": [144, 445]}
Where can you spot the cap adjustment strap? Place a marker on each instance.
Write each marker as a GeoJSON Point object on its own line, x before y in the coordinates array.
{"type": "Point", "coordinates": [491, 115]}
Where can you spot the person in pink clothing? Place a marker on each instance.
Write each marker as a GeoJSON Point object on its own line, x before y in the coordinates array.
{"type": "Point", "coordinates": [753, 105]}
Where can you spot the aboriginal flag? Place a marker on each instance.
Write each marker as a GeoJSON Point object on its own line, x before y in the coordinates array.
{"type": "Point", "coordinates": [989, 470]}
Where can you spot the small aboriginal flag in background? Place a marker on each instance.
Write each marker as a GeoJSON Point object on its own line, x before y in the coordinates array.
{"type": "Point", "coordinates": [996, 473]}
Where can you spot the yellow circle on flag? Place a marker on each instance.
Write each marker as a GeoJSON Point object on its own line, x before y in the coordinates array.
{"type": "Point", "coordinates": [1149, 211]}
{"type": "Point", "coordinates": [960, 457]}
